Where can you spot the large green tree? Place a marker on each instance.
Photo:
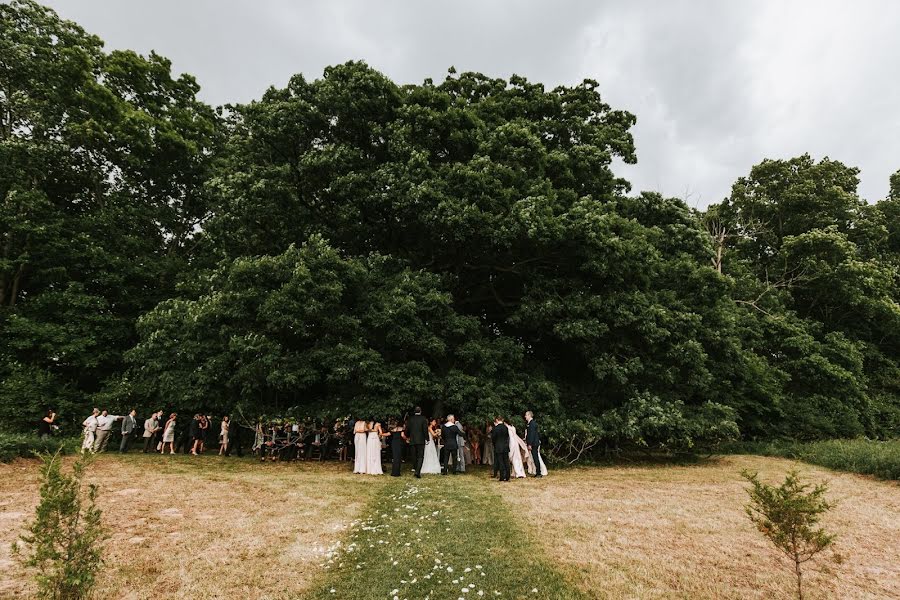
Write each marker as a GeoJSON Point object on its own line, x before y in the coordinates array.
{"type": "Point", "coordinates": [103, 163]}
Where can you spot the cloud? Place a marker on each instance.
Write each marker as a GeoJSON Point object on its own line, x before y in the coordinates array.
{"type": "Point", "coordinates": [716, 86]}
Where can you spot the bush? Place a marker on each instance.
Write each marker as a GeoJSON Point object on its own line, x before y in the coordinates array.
{"type": "Point", "coordinates": [867, 457]}
{"type": "Point", "coordinates": [17, 445]}
{"type": "Point", "coordinates": [64, 544]}
{"type": "Point", "coordinates": [788, 515]}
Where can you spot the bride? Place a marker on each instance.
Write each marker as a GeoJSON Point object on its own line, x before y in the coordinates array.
{"type": "Point", "coordinates": [516, 448]}
{"type": "Point", "coordinates": [432, 463]}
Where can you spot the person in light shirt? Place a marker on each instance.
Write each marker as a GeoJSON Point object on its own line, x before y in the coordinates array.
{"type": "Point", "coordinates": [90, 431]}
{"type": "Point", "coordinates": [104, 426]}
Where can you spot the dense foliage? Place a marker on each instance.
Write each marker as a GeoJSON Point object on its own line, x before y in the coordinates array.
{"type": "Point", "coordinates": [350, 245]}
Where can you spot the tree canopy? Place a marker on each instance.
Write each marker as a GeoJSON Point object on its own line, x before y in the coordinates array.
{"type": "Point", "coordinates": [351, 245]}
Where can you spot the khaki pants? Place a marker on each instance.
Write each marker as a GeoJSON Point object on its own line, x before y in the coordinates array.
{"type": "Point", "coordinates": [102, 440]}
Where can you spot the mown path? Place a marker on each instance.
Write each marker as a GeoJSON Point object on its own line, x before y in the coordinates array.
{"type": "Point", "coordinates": [440, 538]}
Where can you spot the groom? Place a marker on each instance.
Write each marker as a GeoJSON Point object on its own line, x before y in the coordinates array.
{"type": "Point", "coordinates": [533, 441]}
{"type": "Point", "coordinates": [417, 434]}
{"type": "Point", "coordinates": [500, 438]}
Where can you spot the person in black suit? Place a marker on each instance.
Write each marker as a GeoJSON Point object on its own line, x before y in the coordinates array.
{"type": "Point", "coordinates": [450, 451]}
{"type": "Point", "coordinates": [417, 434]}
{"type": "Point", "coordinates": [533, 441]}
{"type": "Point", "coordinates": [500, 437]}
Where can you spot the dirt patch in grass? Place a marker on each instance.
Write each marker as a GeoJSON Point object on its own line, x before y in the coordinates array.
{"type": "Point", "coordinates": [680, 532]}
{"type": "Point", "coordinates": [200, 527]}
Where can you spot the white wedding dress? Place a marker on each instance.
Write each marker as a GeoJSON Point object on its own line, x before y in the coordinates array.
{"type": "Point", "coordinates": [516, 446]}
{"type": "Point", "coordinates": [530, 464]}
{"type": "Point", "coordinates": [432, 463]}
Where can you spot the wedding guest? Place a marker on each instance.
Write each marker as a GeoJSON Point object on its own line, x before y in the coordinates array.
{"type": "Point", "coordinates": [129, 424]}
{"type": "Point", "coordinates": [235, 440]}
{"type": "Point", "coordinates": [45, 425]}
{"type": "Point", "coordinates": [460, 449]}
{"type": "Point", "coordinates": [360, 437]}
{"type": "Point", "coordinates": [151, 424]}
{"type": "Point", "coordinates": [450, 433]}
{"type": "Point", "coordinates": [475, 445]}
{"type": "Point", "coordinates": [157, 435]}
{"type": "Point", "coordinates": [90, 431]}
{"type": "Point", "coordinates": [487, 453]}
{"type": "Point", "coordinates": [168, 436]}
{"type": "Point", "coordinates": [223, 436]}
{"type": "Point", "coordinates": [417, 434]}
{"type": "Point", "coordinates": [397, 441]}
{"type": "Point", "coordinates": [196, 434]}
{"type": "Point", "coordinates": [500, 438]}
{"type": "Point", "coordinates": [104, 426]}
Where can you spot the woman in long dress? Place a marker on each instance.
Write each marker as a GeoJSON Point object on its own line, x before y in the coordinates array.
{"type": "Point", "coordinates": [432, 463]}
{"type": "Point", "coordinates": [516, 447]}
{"type": "Point", "coordinates": [373, 448]}
{"type": "Point", "coordinates": [360, 430]}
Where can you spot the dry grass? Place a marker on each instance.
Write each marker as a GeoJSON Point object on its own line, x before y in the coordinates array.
{"type": "Point", "coordinates": [680, 532]}
{"type": "Point", "coordinates": [200, 528]}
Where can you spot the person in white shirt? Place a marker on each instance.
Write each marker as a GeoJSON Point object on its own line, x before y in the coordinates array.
{"type": "Point", "coordinates": [90, 431]}
{"type": "Point", "coordinates": [104, 425]}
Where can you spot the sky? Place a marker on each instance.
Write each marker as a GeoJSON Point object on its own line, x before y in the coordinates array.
{"type": "Point", "coordinates": [717, 86]}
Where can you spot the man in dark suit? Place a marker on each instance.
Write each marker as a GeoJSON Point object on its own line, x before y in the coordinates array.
{"type": "Point", "coordinates": [417, 434]}
{"type": "Point", "coordinates": [500, 437]}
{"type": "Point", "coordinates": [129, 424]}
{"type": "Point", "coordinates": [533, 441]}
{"type": "Point", "coordinates": [449, 453]}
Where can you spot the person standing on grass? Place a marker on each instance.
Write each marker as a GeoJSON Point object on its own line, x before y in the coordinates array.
{"type": "Point", "coordinates": [104, 426]}
{"type": "Point", "coordinates": [450, 433]}
{"type": "Point", "coordinates": [360, 455]}
{"type": "Point", "coordinates": [151, 424]}
{"type": "Point", "coordinates": [533, 441]}
{"type": "Point", "coordinates": [500, 438]}
{"type": "Point", "coordinates": [129, 424]}
{"type": "Point", "coordinates": [90, 431]}
{"type": "Point", "coordinates": [223, 436]}
{"type": "Point", "coordinates": [418, 436]}
{"type": "Point", "coordinates": [196, 435]}
{"type": "Point", "coordinates": [46, 425]}
{"type": "Point", "coordinates": [168, 436]}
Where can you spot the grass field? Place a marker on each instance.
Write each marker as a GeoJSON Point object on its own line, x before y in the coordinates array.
{"type": "Point", "coordinates": [186, 527]}
{"type": "Point", "coordinates": [880, 458]}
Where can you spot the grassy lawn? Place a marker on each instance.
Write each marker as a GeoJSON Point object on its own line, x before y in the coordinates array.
{"type": "Point", "coordinates": [880, 458]}
{"type": "Point", "coordinates": [187, 527]}
{"type": "Point", "coordinates": [207, 527]}
{"type": "Point", "coordinates": [442, 538]}
{"type": "Point", "coordinates": [680, 532]}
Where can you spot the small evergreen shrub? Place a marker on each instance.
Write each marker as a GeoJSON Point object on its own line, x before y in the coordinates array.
{"type": "Point", "coordinates": [788, 516]}
{"type": "Point", "coordinates": [64, 543]}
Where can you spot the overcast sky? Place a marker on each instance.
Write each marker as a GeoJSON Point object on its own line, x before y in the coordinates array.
{"type": "Point", "coordinates": [716, 85]}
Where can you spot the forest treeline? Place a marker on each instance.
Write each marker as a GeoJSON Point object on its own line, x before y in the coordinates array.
{"type": "Point", "coordinates": [350, 245]}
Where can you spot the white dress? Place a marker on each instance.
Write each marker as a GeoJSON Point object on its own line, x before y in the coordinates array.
{"type": "Point", "coordinates": [530, 462]}
{"type": "Point", "coordinates": [373, 454]}
{"type": "Point", "coordinates": [359, 454]}
{"type": "Point", "coordinates": [516, 446]}
{"type": "Point", "coordinates": [90, 430]}
{"type": "Point", "coordinates": [432, 463]}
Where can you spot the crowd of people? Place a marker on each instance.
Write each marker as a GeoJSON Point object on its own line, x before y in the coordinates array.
{"type": "Point", "coordinates": [447, 447]}
{"type": "Point", "coordinates": [159, 433]}
{"type": "Point", "coordinates": [429, 446]}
